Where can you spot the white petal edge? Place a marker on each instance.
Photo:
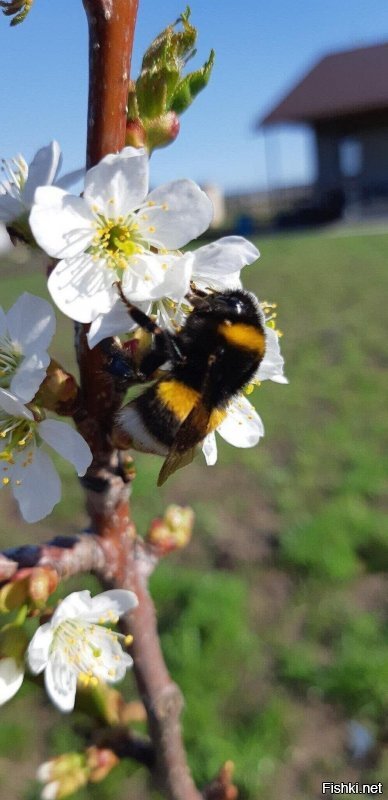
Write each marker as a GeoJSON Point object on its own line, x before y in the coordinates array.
{"type": "Point", "coordinates": [209, 449]}
{"type": "Point", "coordinates": [223, 257]}
{"type": "Point", "coordinates": [118, 183]}
{"type": "Point", "coordinates": [116, 321]}
{"type": "Point", "coordinates": [242, 426]}
{"type": "Point", "coordinates": [39, 647]}
{"type": "Point", "coordinates": [50, 791]}
{"type": "Point", "coordinates": [61, 683]}
{"type": "Point", "coordinates": [11, 678]}
{"type": "Point", "coordinates": [272, 365]}
{"type": "Point", "coordinates": [13, 406]}
{"type": "Point", "coordinates": [155, 276]}
{"type": "Point", "coordinates": [31, 323]}
{"type": "Point", "coordinates": [74, 606]}
{"type": "Point", "coordinates": [61, 223]}
{"type": "Point", "coordinates": [182, 212]}
{"type": "Point", "coordinates": [82, 289]}
{"type": "Point", "coordinates": [67, 442]}
{"type": "Point", "coordinates": [42, 171]}
{"type": "Point", "coordinates": [5, 242]}
{"type": "Point", "coordinates": [118, 601]}
{"type": "Point", "coordinates": [39, 489]}
{"type": "Point", "coordinates": [28, 377]}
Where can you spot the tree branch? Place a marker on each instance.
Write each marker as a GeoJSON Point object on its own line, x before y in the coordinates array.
{"type": "Point", "coordinates": [111, 29]}
{"type": "Point", "coordinates": [66, 555]}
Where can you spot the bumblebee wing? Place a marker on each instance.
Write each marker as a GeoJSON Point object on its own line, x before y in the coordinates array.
{"type": "Point", "coordinates": [189, 435]}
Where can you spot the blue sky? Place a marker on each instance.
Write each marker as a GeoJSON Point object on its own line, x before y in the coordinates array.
{"type": "Point", "coordinates": [261, 50]}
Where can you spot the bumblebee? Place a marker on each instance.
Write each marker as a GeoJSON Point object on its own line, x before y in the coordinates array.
{"type": "Point", "coordinates": [209, 360]}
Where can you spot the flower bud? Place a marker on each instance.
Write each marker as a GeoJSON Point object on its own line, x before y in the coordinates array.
{"type": "Point", "coordinates": [162, 131]}
{"type": "Point", "coordinates": [14, 594]}
{"type": "Point", "coordinates": [63, 775]}
{"type": "Point", "coordinates": [29, 584]}
{"type": "Point", "coordinates": [161, 92]}
{"type": "Point", "coordinates": [43, 582]}
{"type": "Point", "coordinates": [18, 9]}
{"type": "Point", "coordinates": [99, 763]}
{"type": "Point", "coordinates": [135, 135]}
{"type": "Point", "coordinates": [174, 530]}
{"type": "Point", "coordinates": [58, 390]}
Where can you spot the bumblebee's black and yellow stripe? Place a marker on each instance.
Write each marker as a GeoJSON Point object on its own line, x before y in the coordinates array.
{"type": "Point", "coordinates": [213, 356]}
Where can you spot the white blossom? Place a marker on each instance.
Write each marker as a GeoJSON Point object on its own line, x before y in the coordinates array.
{"type": "Point", "coordinates": [25, 466]}
{"type": "Point", "coordinates": [74, 645]}
{"type": "Point", "coordinates": [213, 267]}
{"type": "Point", "coordinates": [116, 231]}
{"type": "Point", "coordinates": [21, 180]}
{"type": "Point", "coordinates": [26, 331]}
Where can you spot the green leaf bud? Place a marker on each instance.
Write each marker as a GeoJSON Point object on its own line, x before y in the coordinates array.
{"type": "Point", "coordinates": [191, 85]}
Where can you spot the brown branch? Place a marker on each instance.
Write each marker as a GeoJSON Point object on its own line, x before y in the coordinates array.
{"type": "Point", "coordinates": [66, 555]}
{"type": "Point", "coordinates": [111, 29]}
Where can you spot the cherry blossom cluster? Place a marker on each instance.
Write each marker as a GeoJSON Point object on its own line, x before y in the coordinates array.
{"type": "Point", "coordinates": [115, 231]}
{"type": "Point", "coordinates": [74, 647]}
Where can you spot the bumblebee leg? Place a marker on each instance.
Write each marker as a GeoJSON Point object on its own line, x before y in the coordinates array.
{"type": "Point", "coordinates": [165, 345]}
{"type": "Point", "coordinates": [138, 316]}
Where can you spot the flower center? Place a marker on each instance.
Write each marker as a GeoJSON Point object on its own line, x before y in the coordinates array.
{"type": "Point", "coordinates": [10, 359]}
{"type": "Point", "coordinates": [92, 650]}
{"type": "Point", "coordinates": [115, 241]}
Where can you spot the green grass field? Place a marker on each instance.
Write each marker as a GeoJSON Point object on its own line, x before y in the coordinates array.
{"type": "Point", "coordinates": [274, 623]}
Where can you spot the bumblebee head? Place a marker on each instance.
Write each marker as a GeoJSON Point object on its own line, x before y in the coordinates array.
{"type": "Point", "coordinates": [236, 305]}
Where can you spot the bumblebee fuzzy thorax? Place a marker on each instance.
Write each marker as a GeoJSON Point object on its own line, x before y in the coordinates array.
{"type": "Point", "coordinates": [211, 358]}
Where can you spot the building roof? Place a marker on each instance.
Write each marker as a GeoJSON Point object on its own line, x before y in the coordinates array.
{"type": "Point", "coordinates": [342, 84]}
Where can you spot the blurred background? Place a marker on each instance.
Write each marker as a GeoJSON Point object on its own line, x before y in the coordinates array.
{"type": "Point", "coordinates": [274, 625]}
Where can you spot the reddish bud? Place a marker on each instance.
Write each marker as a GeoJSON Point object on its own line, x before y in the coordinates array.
{"type": "Point", "coordinates": [173, 531]}
{"type": "Point", "coordinates": [43, 582]}
{"type": "Point", "coordinates": [135, 135]}
{"type": "Point", "coordinates": [100, 762]}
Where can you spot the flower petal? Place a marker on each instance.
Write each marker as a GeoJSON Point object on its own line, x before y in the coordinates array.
{"type": "Point", "coordinates": [220, 260]}
{"type": "Point", "coordinates": [182, 211]}
{"type": "Point", "coordinates": [31, 323]}
{"type": "Point", "coordinates": [82, 288]}
{"type": "Point", "coordinates": [119, 183]}
{"type": "Point", "coordinates": [67, 442]}
{"type": "Point", "coordinates": [272, 365]}
{"type": "Point", "coordinates": [28, 377]}
{"type": "Point", "coordinates": [209, 449]}
{"type": "Point", "coordinates": [11, 678]}
{"type": "Point", "coordinates": [39, 648]}
{"type": "Point", "coordinates": [5, 242]}
{"type": "Point", "coordinates": [61, 683]}
{"type": "Point", "coordinates": [242, 426]}
{"type": "Point", "coordinates": [13, 406]}
{"type": "Point", "coordinates": [116, 321]}
{"type": "Point", "coordinates": [62, 224]}
{"type": "Point", "coordinates": [74, 606]}
{"type": "Point", "coordinates": [50, 791]}
{"type": "Point", "coordinates": [153, 276]}
{"type": "Point", "coordinates": [70, 178]}
{"type": "Point", "coordinates": [39, 489]}
{"type": "Point", "coordinates": [115, 602]}
{"type": "Point", "coordinates": [42, 170]}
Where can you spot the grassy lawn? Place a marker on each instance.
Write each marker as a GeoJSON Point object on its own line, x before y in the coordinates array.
{"type": "Point", "coordinates": [284, 643]}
